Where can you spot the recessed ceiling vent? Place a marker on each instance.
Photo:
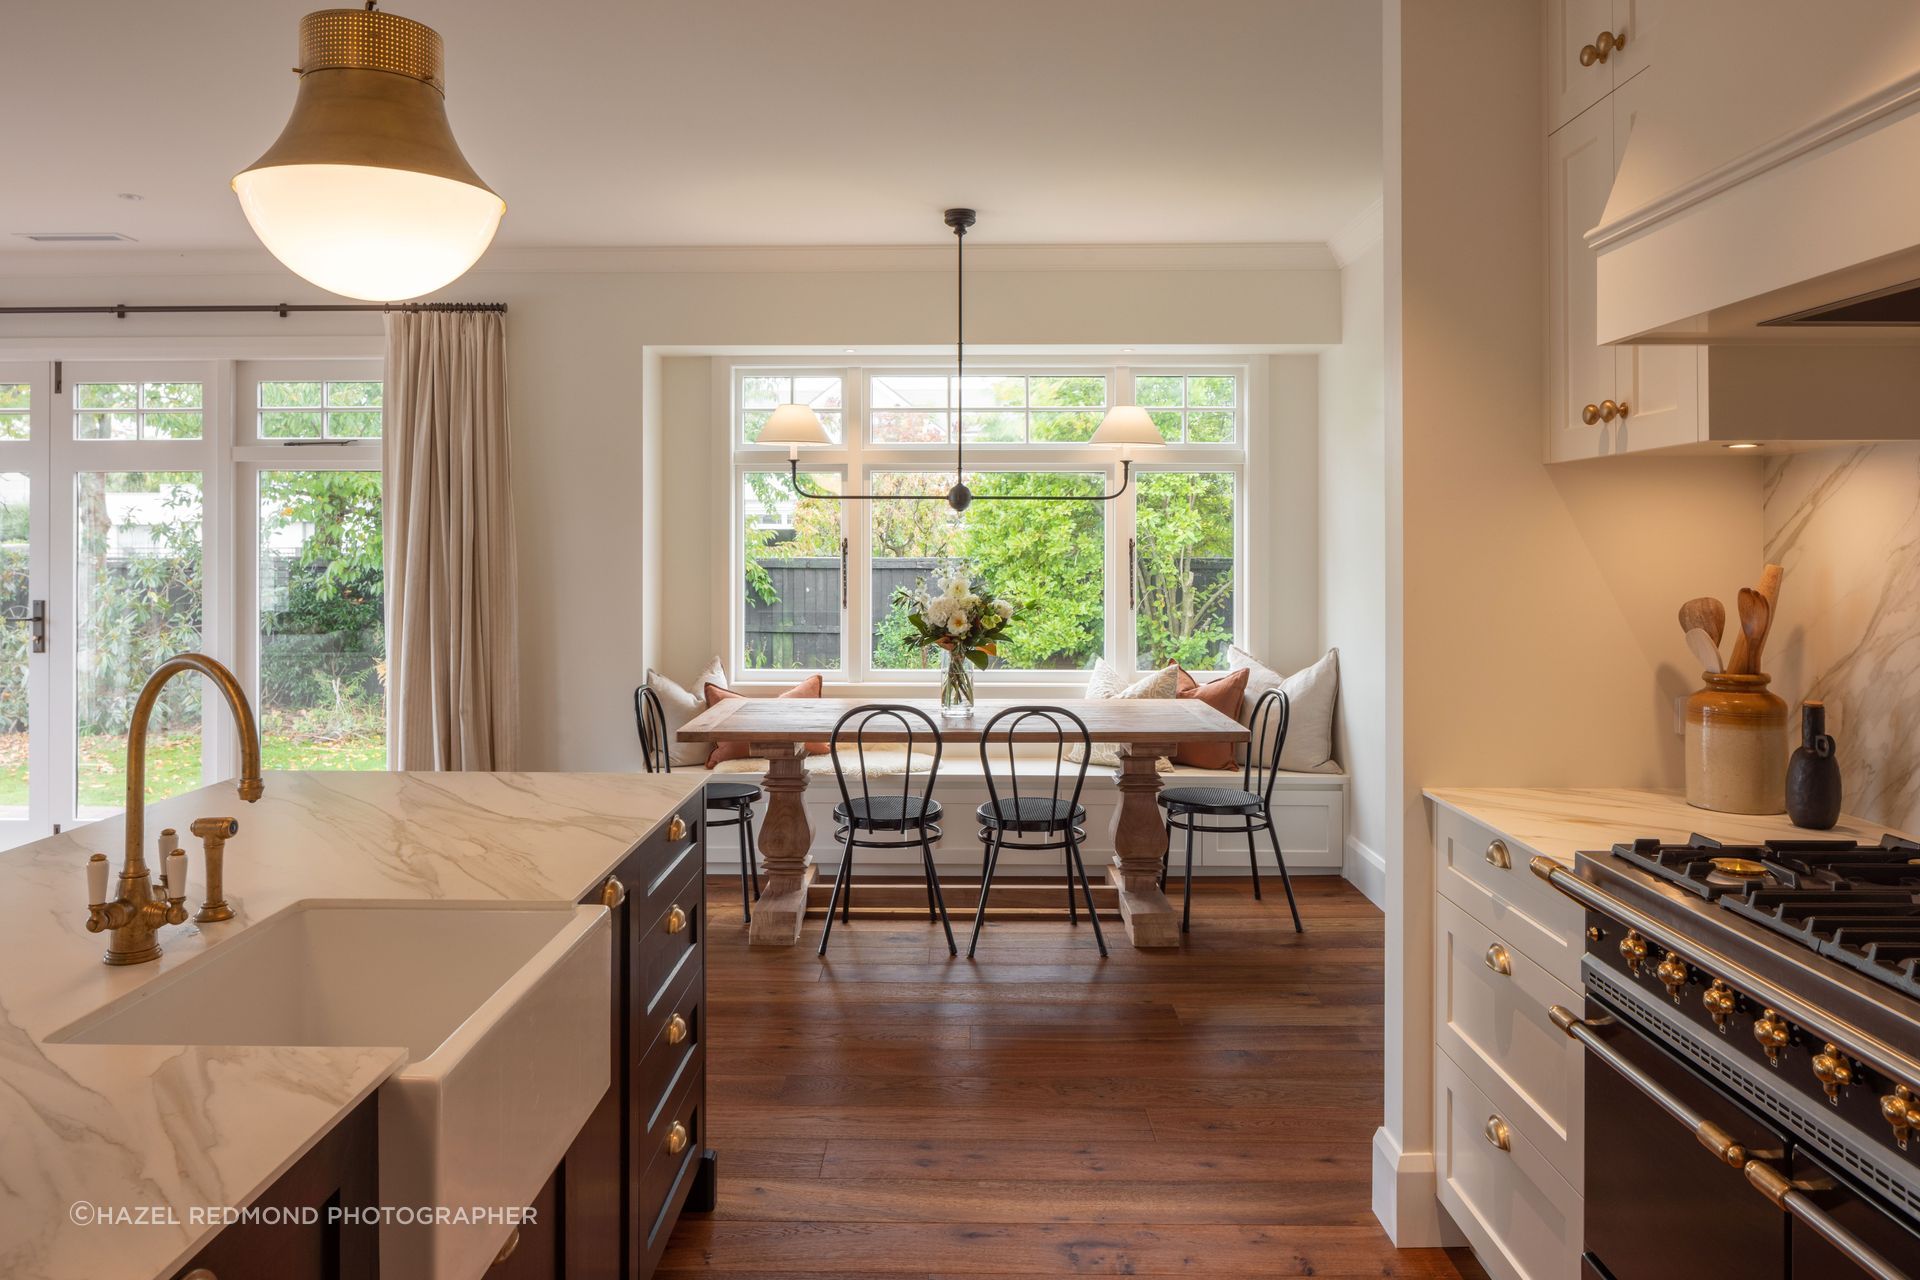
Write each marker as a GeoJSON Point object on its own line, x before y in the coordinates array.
{"type": "Point", "coordinates": [74, 237]}
{"type": "Point", "coordinates": [1896, 305]}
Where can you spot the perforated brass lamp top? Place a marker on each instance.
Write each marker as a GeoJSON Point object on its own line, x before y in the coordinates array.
{"type": "Point", "coordinates": [369, 40]}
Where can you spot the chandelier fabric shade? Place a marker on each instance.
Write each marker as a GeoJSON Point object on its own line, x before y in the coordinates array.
{"type": "Point", "coordinates": [366, 192]}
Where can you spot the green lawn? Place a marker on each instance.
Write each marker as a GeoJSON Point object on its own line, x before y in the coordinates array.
{"type": "Point", "coordinates": [173, 763]}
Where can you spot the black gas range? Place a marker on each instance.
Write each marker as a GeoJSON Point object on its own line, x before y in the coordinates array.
{"type": "Point", "coordinates": [1753, 1085]}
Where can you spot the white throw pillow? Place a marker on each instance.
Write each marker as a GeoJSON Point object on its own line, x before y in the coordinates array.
{"type": "Point", "coordinates": [1311, 692]}
{"type": "Point", "coordinates": [679, 706]}
{"type": "Point", "coordinates": [1107, 682]}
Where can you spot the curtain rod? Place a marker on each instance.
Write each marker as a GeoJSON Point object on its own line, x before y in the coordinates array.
{"type": "Point", "coordinates": [121, 310]}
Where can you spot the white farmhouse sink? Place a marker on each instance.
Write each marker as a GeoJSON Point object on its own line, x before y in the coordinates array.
{"type": "Point", "coordinates": [504, 1011]}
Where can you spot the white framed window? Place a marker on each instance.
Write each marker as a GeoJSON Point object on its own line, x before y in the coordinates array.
{"type": "Point", "coordinates": [1148, 578]}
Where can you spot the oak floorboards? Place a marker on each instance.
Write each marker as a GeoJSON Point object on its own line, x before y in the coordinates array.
{"type": "Point", "coordinates": [890, 1112]}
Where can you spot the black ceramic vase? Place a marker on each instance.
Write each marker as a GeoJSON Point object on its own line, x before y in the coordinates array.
{"type": "Point", "coordinates": [1813, 774]}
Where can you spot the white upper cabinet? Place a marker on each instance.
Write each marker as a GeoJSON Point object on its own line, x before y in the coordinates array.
{"type": "Point", "coordinates": [1579, 73]}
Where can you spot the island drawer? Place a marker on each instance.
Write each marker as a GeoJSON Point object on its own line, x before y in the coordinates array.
{"type": "Point", "coordinates": [1485, 872]}
{"type": "Point", "coordinates": [675, 837]}
{"type": "Point", "coordinates": [667, 932]}
{"type": "Point", "coordinates": [666, 1036]}
{"type": "Point", "coordinates": [663, 1188]}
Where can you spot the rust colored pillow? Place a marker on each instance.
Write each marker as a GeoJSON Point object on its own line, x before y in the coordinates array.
{"type": "Point", "coordinates": [808, 688]}
{"type": "Point", "coordinates": [1224, 696]}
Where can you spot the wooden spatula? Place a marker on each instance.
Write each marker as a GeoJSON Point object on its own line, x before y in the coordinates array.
{"type": "Point", "coordinates": [1706, 613]}
{"type": "Point", "coordinates": [1756, 615]}
{"type": "Point", "coordinates": [1705, 651]}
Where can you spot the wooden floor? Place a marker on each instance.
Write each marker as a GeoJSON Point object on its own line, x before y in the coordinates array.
{"type": "Point", "coordinates": [891, 1112]}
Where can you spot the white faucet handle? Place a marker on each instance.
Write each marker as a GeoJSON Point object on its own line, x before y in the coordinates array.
{"type": "Point", "coordinates": [97, 879]}
{"type": "Point", "coordinates": [177, 874]}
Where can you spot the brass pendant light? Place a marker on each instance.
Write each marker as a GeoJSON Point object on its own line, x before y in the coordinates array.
{"type": "Point", "coordinates": [366, 193]}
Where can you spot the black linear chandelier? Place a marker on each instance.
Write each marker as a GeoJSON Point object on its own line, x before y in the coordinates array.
{"type": "Point", "coordinates": [796, 426]}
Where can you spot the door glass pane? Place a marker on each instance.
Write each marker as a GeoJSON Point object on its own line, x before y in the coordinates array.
{"type": "Point", "coordinates": [139, 601]}
{"type": "Point", "coordinates": [1183, 566]}
{"type": "Point", "coordinates": [793, 572]}
{"type": "Point", "coordinates": [322, 621]}
{"type": "Point", "coordinates": [1047, 559]}
{"type": "Point", "coordinates": [16, 399]}
{"type": "Point", "coordinates": [16, 642]}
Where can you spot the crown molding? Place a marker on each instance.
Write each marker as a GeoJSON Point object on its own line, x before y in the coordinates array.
{"type": "Point", "coordinates": [1367, 229]}
{"type": "Point", "coordinates": [120, 261]}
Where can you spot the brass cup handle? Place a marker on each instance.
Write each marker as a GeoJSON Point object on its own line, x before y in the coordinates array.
{"type": "Point", "coordinates": [1498, 1134]}
{"type": "Point", "coordinates": [1497, 855]}
{"type": "Point", "coordinates": [1499, 960]}
{"type": "Point", "coordinates": [677, 1139]}
{"type": "Point", "coordinates": [676, 920]}
{"type": "Point", "coordinates": [612, 893]}
{"type": "Point", "coordinates": [676, 1029]}
{"type": "Point", "coordinates": [200, 1273]}
{"type": "Point", "coordinates": [1591, 415]}
{"type": "Point", "coordinates": [677, 829]}
{"type": "Point", "coordinates": [508, 1249]}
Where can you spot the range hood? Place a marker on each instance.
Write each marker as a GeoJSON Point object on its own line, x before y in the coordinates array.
{"type": "Point", "coordinates": [1811, 237]}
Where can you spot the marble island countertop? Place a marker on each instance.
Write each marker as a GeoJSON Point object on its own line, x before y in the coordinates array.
{"type": "Point", "coordinates": [1561, 821]}
{"type": "Point", "coordinates": [159, 1130]}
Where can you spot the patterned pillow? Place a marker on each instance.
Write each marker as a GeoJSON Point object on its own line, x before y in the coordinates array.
{"type": "Point", "coordinates": [1106, 682]}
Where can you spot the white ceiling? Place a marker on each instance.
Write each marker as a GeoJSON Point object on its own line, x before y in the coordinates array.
{"type": "Point", "coordinates": [740, 122]}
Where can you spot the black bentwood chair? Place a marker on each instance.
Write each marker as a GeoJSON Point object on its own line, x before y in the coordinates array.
{"type": "Point", "coordinates": [1058, 823]}
{"type": "Point", "coordinates": [734, 798]}
{"type": "Point", "coordinates": [1252, 803]}
{"type": "Point", "coordinates": [867, 820]}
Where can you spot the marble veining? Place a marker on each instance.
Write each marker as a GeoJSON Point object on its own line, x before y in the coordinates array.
{"type": "Point", "coordinates": [1845, 524]}
{"type": "Point", "coordinates": [125, 1126]}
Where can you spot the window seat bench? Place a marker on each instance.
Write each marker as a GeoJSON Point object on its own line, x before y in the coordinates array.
{"type": "Point", "coordinates": [1309, 813]}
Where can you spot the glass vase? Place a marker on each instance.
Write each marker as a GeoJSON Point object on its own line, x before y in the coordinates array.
{"type": "Point", "coordinates": [956, 687]}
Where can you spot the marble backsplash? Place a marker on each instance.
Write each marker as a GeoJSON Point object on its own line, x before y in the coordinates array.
{"type": "Point", "coordinates": [1845, 524]}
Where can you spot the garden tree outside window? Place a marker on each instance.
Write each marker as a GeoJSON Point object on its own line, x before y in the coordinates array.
{"type": "Point", "coordinates": [1144, 580]}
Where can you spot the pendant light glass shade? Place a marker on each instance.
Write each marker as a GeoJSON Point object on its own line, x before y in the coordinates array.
{"type": "Point", "coordinates": [366, 193]}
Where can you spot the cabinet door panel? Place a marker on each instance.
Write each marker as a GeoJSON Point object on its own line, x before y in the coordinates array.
{"type": "Point", "coordinates": [1572, 88]}
{"type": "Point", "coordinates": [1642, 22]}
{"type": "Point", "coordinates": [1580, 161]}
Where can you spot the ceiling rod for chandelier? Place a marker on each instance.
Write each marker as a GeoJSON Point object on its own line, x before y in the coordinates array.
{"type": "Point", "coordinates": [797, 426]}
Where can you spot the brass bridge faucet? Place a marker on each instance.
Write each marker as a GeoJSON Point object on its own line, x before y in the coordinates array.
{"type": "Point", "coordinates": [136, 915]}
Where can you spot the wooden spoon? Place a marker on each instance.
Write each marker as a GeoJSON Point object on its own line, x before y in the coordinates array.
{"type": "Point", "coordinates": [1706, 613]}
{"type": "Point", "coordinates": [1705, 652]}
{"type": "Point", "coordinates": [1755, 617]}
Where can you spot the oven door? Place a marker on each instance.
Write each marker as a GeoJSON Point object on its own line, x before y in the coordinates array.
{"type": "Point", "coordinates": [1859, 1238]}
{"type": "Point", "coordinates": [1660, 1204]}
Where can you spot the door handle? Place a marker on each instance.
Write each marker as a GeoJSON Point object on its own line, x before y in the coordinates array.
{"type": "Point", "coordinates": [1710, 1135]}
{"type": "Point", "coordinates": [1792, 1197]}
{"type": "Point", "coordinates": [36, 620]}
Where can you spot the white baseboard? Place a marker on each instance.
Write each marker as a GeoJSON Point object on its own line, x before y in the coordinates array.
{"type": "Point", "coordinates": [1406, 1198]}
{"type": "Point", "coordinates": [1366, 870]}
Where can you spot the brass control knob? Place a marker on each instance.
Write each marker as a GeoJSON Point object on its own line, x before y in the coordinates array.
{"type": "Point", "coordinates": [1902, 1112]}
{"type": "Point", "coordinates": [1772, 1033]}
{"type": "Point", "coordinates": [1673, 972]}
{"type": "Point", "coordinates": [676, 1029]}
{"type": "Point", "coordinates": [677, 1139]}
{"type": "Point", "coordinates": [1719, 1000]}
{"type": "Point", "coordinates": [677, 829]}
{"type": "Point", "coordinates": [676, 920]}
{"type": "Point", "coordinates": [1633, 949]}
{"type": "Point", "coordinates": [1833, 1071]}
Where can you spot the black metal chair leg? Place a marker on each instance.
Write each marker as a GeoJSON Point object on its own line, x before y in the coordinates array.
{"type": "Point", "coordinates": [1253, 861]}
{"type": "Point", "coordinates": [1073, 910]}
{"type": "Point", "coordinates": [926, 873]}
{"type": "Point", "coordinates": [1076, 863]}
{"type": "Point", "coordinates": [753, 851]}
{"type": "Point", "coordinates": [988, 862]}
{"type": "Point", "coordinates": [840, 880]}
{"type": "Point", "coordinates": [1285, 880]}
{"type": "Point", "coordinates": [746, 863]}
{"type": "Point", "coordinates": [933, 888]}
{"type": "Point", "coordinates": [1186, 907]}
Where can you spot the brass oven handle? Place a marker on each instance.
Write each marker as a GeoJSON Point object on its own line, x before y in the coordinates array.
{"type": "Point", "coordinates": [1710, 1135]}
{"type": "Point", "coordinates": [1861, 1045]}
{"type": "Point", "coordinates": [1775, 1186]}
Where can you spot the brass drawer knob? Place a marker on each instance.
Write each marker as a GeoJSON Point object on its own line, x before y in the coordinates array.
{"type": "Point", "coordinates": [676, 1029]}
{"type": "Point", "coordinates": [676, 920]}
{"type": "Point", "coordinates": [1497, 855]}
{"type": "Point", "coordinates": [677, 829]}
{"type": "Point", "coordinates": [1833, 1071]}
{"type": "Point", "coordinates": [612, 893]}
{"type": "Point", "coordinates": [1499, 960]}
{"type": "Point", "coordinates": [1603, 47]}
{"type": "Point", "coordinates": [1591, 415]}
{"type": "Point", "coordinates": [677, 1138]}
{"type": "Point", "coordinates": [1498, 1134]}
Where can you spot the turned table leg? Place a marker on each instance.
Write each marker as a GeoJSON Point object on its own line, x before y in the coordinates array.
{"type": "Point", "coordinates": [785, 838]}
{"type": "Point", "coordinates": [1139, 842]}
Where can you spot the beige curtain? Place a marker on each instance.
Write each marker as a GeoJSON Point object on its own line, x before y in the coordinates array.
{"type": "Point", "coordinates": [452, 632]}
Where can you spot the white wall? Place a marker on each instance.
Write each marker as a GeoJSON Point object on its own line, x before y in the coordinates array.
{"type": "Point", "coordinates": [579, 334]}
{"type": "Point", "coordinates": [1530, 611]}
{"type": "Point", "coordinates": [1353, 536]}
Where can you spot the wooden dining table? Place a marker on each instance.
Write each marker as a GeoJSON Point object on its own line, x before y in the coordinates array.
{"type": "Point", "coordinates": [1144, 730]}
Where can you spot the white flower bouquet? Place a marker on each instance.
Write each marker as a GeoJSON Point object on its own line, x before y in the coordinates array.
{"type": "Point", "coordinates": [961, 617]}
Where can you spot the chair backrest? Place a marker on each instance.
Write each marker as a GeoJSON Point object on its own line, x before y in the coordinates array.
{"type": "Point", "coordinates": [1057, 724]}
{"type": "Point", "coordinates": [915, 724]}
{"type": "Point", "coordinates": [1271, 715]}
{"type": "Point", "coordinates": [651, 720]}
